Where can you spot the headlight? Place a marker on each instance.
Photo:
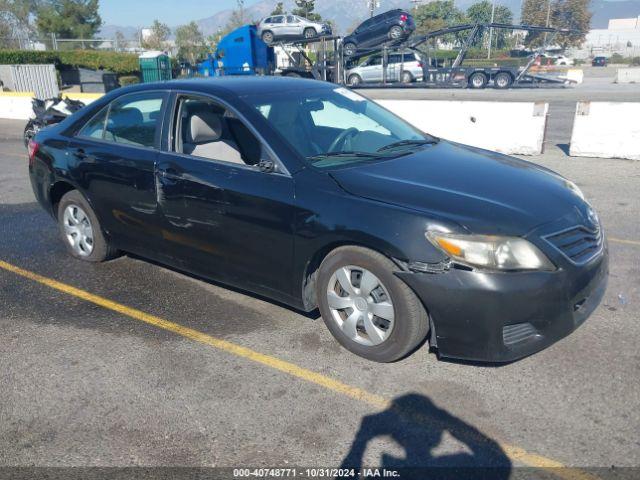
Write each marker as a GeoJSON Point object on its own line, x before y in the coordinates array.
{"type": "Point", "coordinates": [575, 189]}
{"type": "Point", "coordinates": [492, 252]}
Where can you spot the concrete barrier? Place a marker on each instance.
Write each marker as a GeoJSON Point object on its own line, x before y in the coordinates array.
{"type": "Point", "coordinates": [627, 75]}
{"type": "Point", "coordinates": [606, 130]}
{"type": "Point", "coordinates": [17, 105]}
{"type": "Point", "coordinates": [506, 127]}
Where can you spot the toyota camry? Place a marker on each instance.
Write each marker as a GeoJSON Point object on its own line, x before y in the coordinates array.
{"type": "Point", "coordinates": [314, 196]}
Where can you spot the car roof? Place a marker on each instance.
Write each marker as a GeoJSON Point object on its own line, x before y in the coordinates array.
{"type": "Point", "coordinates": [238, 85]}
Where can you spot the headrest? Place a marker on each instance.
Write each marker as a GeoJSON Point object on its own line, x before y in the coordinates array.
{"type": "Point", "coordinates": [129, 116]}
{"type": "Point", "coordinates": [204, 127]}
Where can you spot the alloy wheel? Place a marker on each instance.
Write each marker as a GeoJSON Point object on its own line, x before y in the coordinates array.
{"type": "Point", "coordinates": [360, 305]}
{"type": "Point", "coordinates": [78, 230]}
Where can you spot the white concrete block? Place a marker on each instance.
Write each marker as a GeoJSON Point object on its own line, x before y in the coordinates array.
{"type": "Point", "coordinates": [506, 127]}
{"type": "Point", "coordinates": [15, 106]}
{"type": "Point", "coordinates": [606, 130]}
{"type": "Point", "coordinates": [628, 75]}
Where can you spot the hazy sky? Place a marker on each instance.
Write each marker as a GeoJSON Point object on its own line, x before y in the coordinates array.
{"type": "Point", "coordinates": [172, 12]}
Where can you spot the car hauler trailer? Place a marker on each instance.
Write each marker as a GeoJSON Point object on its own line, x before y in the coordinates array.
{"type": "Point", "coordinates": [458, 75]}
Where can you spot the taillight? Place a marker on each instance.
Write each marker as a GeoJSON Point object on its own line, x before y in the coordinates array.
{"type": "Point", "coordinates": [33, 149]}
{"type": "Point", "coordinates": [419, 64]}
{"type": "Point", "coordinates": [403, 17]}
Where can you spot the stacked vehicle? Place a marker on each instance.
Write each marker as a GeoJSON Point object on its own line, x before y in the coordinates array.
{"type": "Point", "coordinates": [383, 50]}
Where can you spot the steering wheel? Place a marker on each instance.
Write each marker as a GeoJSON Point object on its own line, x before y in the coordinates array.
{"type": "Point", "coordinates": [349, 132]}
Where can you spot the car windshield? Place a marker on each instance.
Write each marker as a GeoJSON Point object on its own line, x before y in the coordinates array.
{"type": "Point", "coordinates": [335, 126]}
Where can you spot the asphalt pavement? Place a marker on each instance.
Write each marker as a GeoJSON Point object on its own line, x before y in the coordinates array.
{"type": "Point", "coordinates": [151, 367]}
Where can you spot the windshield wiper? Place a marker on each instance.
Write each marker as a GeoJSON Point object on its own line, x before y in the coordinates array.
{"type": "Point", "coordinates": [400, 143]}
{"type": "Point", "coordinates": [344, 154]}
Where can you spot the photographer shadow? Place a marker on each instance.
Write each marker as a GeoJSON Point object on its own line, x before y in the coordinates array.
{"type": "Point", "coordinates": [418, 426]}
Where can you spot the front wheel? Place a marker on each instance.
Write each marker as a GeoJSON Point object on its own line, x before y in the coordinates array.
{"type": "Point", "coordinates": [354, 80]}
{"type": "Point", "coordinates": [350, 49]}
{"type": "Point", "coordinates": [267, 37]}
{"type": "Point", "coordinates": [80, 229]}
{"type": "Point", "coordinates": [369, 311]}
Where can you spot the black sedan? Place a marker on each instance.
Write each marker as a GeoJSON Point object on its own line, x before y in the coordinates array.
{"type": "Point", "coordinates": [314, 196]}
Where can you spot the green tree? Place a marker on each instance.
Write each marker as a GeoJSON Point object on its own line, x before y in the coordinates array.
{"type": "Point", "coordinates": [569, 14]}
{"type": "Point", "coordinates": [436, 15]}
{"type": "Point", "coordinates": [573, 15]}
{"type": "Point", "coordinates": [305, 8]}
{"type": "Point", "coordinates": [68, 18]}
{"type": "Point", "coordinates": [278, 9]}
{"type": "Point", "coordinates": [238, 17]}
{"type": "Point", "coordinates": [534, 12]}
{"type": "Point", "coordinates": [15, 16]}
{"type": "Point", "coordinates": [481, 13]}
{"type": "Point", "coordinates": [190, 42]}
{"type": "Point", "coordinates": [157, 38]}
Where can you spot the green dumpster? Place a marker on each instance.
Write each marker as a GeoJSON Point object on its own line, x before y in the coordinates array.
{"type": "Point", "coordinates": [155, 66]}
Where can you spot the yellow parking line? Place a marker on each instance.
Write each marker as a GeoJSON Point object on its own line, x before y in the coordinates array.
{"type": "Point", "coordinates": [622, 240]}
{"type": "Point", "coordinates": [377, 401]}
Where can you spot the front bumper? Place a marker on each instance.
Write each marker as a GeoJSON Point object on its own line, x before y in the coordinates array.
{"type": "Point", "coordinates": [501, 317]}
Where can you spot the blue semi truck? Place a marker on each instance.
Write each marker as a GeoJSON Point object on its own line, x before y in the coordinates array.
{"type": "Point", "coordinates": [241, 52]}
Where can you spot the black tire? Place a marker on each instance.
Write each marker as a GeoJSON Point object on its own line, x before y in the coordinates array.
{"type": "Point", "coordinates": [354, 80]}
{"type": "Point", "coordinates": [406, 77]}
{"type": "Point", "coordinates": [349, 49]}
{"type": "Point", "coordinates": [477, 80]}
{"type": "Point", "coordinates": [267, 36]}
{"type": "Point", "coordinates": [411, 321]}
{"type": "Point", "coordinates": [502, 80]}
{"type": "Point", "coordinates": [309, 32]}
{"type": "Point", "coordinates": [293, 75]}
{"type": "Point", "coordinates": [29, 132]}
{"type": "Point", "coordinates": [102, 250]}
{"type": "Point", "coordinates": [395, 32]}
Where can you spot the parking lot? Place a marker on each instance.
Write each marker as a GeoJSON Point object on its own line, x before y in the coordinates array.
{"type": "Point", "coordinates": [128, 363]}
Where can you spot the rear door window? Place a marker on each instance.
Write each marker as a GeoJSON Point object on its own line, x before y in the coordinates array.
{"type": "Point", "coordinates": [132, 120]}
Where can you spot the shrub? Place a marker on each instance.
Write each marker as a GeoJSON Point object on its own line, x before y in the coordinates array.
{"type": "Point", "coordinates": [128, 80]}
{"type": "Point", "coordinates": [617, 58]}
{"type": "Point", "coordinates": [119, 63]}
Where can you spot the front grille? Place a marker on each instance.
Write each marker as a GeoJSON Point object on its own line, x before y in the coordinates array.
{"type": "Point", "coordinates": [579, 244]}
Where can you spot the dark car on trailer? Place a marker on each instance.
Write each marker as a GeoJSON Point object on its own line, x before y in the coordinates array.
{"type": "Point", "coordinates": [390, 27]}
{"type": "Point", "coordinates": [314, 196]}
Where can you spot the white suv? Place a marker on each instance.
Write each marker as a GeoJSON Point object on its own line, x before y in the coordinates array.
{"type": "Point", "coordinates": [290, 26]}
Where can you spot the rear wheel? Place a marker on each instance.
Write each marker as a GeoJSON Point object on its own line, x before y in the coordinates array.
{"type": "Point", "coordinates": [406, 77]}
{"type": "Point", "coordinates": [267, 37]}
{"type": "Point", "coordinates": [354, 80]}
{"type": "Point", "coordinates": [478, 80]}
{"type": "Point", "coordinates": [370, 311]}
{"type": "Point", "coordinates": [349, 49]}
{"type": "Point", "coordinates": [309, 32]}
{"type": "Point", "coordinates": [502, 80]}
{"type": "Point", "coordinates": [395, 32]}
{"type": "Point", "coordinates": [80, 229]}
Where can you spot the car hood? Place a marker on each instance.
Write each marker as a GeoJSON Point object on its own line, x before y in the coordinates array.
{"type": "Point", "coordinates": [483, 191]}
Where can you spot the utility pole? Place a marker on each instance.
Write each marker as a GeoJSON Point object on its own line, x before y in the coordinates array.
{"type": "Point", "coordinates": [493, 13]}
{"type": "Point", "coordinates": [548, 18]}
{"type": "Point", "coordinates": [373, 4]}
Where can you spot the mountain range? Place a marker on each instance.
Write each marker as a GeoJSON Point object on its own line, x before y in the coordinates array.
{"type": "Point", "coordinates": [346, 15]}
